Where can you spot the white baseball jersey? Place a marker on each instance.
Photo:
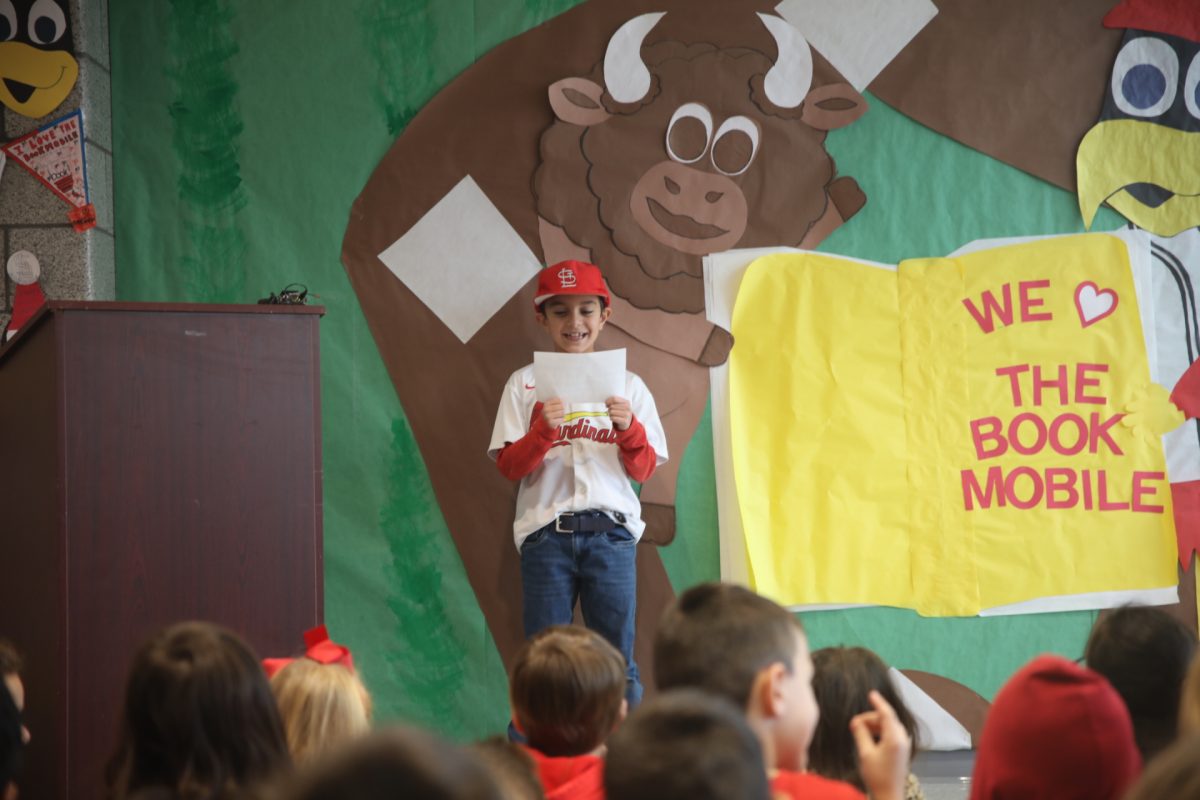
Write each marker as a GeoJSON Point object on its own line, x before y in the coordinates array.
{"type": "Point", "coordinates": [583, 469]}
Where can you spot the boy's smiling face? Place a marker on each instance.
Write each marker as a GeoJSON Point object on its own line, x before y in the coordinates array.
{"type": "Point", "coordinates": [574, 321]}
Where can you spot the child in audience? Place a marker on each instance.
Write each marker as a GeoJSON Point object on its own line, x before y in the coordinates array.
{"type": "Point", "coordinates": [198, 719]}
{"type": "Point", "coordinates": [731, 642]}
{"type": "Point", "coordinates": [13, 733]}
{"type": "Point", "coordinates": [1056, 731]}
{"type": "Point", "coordinates": [398, 763]}
{"type": "Point", "coordinates": [686, 745]}
{"type": "Point", "coordinates": [843, 677]}
{"type": "Point", "coordinates": [568, 694]}
{"type": "Point", "coordinates": [1174, 775]}
{"type": "Point", "coordinates": [321, 699]}
{"type": "Point", "coordinates": [322, 706]}
{"type": "Point", "coordinates": [1144, 653]}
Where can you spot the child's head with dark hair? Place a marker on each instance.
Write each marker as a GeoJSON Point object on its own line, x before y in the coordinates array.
{"type": "Point", "coordinates": [1144, 653]}
{"type": "Point", "coordinates": [198, 717]}
{"type": "Point", "coordinates": [843, 677]}
{"type": "Point", "coordinates": [731, 642]}
{"type": "Point", "coordinates": [567, 690]}
{"type": "Point", "coordinates": [399, 762]}
{"type": "Point", "coordinates": [686, 745]}
{"type": "Point", "coordinates": [718, 636]}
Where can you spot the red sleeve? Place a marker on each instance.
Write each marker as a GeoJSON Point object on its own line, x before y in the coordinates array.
{"type": "Point", "coordinates": [637, 454]}
{"type": "Point", "coordinates": [518, 459]}
{"type": "Point", "coordinates": [1186, 393]}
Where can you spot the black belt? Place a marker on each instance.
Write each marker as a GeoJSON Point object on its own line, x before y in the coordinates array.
{"type": "Point", "coordinates": [587, 522]}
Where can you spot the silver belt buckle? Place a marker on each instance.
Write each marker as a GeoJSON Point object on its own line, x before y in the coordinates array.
{"type": "Point", "coordinates": [558, 528]}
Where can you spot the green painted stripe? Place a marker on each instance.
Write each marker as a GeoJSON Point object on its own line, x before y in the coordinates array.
{"type": "Point", "coordinates": [206, 125]}
{"type": "Point", "coordinates": [425, 657]}
{"type": "Point", "coordinates": [399, 38]}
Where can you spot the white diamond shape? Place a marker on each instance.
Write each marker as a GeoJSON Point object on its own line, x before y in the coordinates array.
{"type": "Point", "coordinates": [462, 259]}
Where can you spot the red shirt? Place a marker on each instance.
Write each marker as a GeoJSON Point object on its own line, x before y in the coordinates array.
{"type": "Point", "coordinates": [570, 777]}
{"type": "Point", "coordinates": [807, 786]}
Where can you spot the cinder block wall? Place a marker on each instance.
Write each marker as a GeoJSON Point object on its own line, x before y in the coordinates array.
{"type": "Point", "coordinates": [75, 266]}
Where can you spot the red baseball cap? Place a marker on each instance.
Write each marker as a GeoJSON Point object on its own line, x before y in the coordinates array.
{"type": "Point", "coordinates": [570, 277]}
{"type": "Point", "coordinates": [1172, 17]}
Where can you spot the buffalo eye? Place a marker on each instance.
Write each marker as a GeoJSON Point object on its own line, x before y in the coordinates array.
{"type": "Point", "coordinates": [1191, 87]}
{"type": "Point", "coordinates": [735, 145]}
{"type": "Point", "coordinates": [1144, 77]}
{"type": "Point", "coordinates": [47, 23]}
{"type": "Point", "coordinates": [8, 20]}
{"type": "Point", "coordinates": [688, 133]}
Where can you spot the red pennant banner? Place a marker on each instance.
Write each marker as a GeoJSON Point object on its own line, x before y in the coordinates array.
{"type": "Point", "coordinates": [54, 155]}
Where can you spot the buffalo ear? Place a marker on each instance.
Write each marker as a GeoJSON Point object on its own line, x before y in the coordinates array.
{"type": "Point", "coordinates": [577, 101]}
{"type": "Point", "coordinates": [834, 105]}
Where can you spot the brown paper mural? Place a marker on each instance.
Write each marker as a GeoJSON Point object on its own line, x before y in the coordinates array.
{"type": "Point", "coordinates": [640, 138]}
{"type": "Point", "coordinates": [1094, 93]}
{"type": "Point", "coordinates": [1020, 81]}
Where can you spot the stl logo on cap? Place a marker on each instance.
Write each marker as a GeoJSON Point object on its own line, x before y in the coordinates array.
{"type": "Point", "coordinates": [570, 277]}
{"type": "Point", "coordinates": [566, 278]}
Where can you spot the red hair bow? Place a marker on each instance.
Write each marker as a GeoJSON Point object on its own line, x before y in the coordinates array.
{"type": "Point", "coordinates": [318, 647]}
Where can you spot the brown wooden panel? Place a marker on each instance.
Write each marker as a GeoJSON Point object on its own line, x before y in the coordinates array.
{"type": "Point", "coordinates": [198, 308]}
{"type": "Point", "coordinates": [184, 481]}
{"type": "Point", "coordinates": [33, 610]}
{"type": "Point", "coordinates": [190, 460]}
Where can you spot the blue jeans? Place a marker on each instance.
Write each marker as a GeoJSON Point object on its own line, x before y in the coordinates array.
{"type": "Point", "coordinates": [597, 569]}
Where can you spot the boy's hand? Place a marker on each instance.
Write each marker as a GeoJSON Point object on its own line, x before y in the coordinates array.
{"type": "Point", "coordinates": [620, 412]}
{"type": "Point", "coordinates": [553, 412]}
{"type": "Point", "coordinates": [884, 750]}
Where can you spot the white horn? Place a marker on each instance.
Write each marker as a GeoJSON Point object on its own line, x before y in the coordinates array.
{"type": "Point", "coordinates": [625, 74]}
{"type": "Point", "coordinates": [787, 83]}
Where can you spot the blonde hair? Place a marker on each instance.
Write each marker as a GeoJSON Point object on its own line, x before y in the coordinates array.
{"type": "Point", "coordinates": [322, 706]}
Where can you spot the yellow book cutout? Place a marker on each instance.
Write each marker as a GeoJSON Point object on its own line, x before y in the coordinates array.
{"type": "Point", "coordinates": [946, 436]}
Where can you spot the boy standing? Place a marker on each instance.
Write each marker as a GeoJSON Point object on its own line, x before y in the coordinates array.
{"type": "Point", "coordinates": [731, 642]}
{"type": "Point", "coordinates": [578, 519]}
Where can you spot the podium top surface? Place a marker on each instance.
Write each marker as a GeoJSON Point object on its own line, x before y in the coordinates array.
{"type": "Point", "coordinates": [60, 306]}
{"type": "Point", "coordinates": [197, 308]}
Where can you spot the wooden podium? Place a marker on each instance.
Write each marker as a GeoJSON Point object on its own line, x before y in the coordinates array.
{"type": "Point", "coordinates": [157, 463]}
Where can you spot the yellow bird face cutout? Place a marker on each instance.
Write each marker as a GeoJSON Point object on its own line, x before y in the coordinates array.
{"type": "Point", "coordinates": [37, 59]}
{"type": "Point", "coordinates": [1143, 155]}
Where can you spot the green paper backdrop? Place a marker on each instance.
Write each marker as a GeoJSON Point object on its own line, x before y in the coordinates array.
{"type": "Point", "coordinates": [242, 133]}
